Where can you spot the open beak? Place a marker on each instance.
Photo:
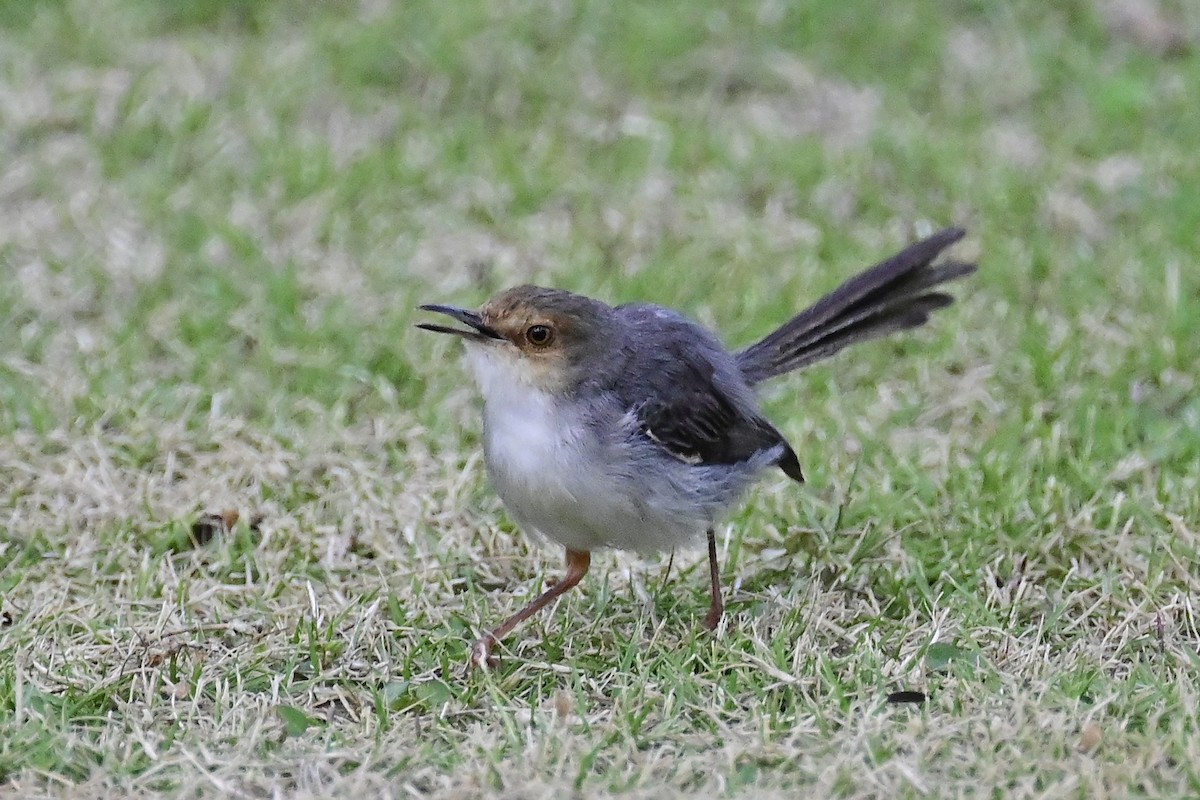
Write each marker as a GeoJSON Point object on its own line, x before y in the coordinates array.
{"type": "Point", "coordinates": [479, 332]}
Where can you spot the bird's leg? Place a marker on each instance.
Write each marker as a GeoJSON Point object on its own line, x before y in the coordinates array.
{"type": "Point", "coordinates": [578, 562]}
{"type": "Point", "coordinates": [717, 609]}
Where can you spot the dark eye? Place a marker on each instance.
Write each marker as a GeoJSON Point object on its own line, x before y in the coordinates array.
{"type": "Point", "coordinates": [539, 335]}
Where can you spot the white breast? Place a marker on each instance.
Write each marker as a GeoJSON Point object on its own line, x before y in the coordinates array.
{"type": "Point", "coordinates": [533, 450]}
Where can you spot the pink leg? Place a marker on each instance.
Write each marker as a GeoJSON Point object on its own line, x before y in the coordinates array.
{"type": "Point", "coordinates": [717, 609]}
{"type": "Point", "coordinates": [578, 562]}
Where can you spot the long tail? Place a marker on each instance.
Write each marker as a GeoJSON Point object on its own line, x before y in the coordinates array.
{"type": "Point", "coordinates": [889, 297]}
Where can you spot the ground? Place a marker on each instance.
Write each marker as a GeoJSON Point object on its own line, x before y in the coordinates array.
{"type": "Point", "coordinates": [217, 219]}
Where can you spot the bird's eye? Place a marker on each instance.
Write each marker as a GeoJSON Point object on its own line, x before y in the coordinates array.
{"type": "Point", "coordinates": [539, 335]}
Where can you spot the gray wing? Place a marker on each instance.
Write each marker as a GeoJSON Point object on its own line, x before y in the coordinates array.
{"type": "Point", "coordinates": [689, 396]}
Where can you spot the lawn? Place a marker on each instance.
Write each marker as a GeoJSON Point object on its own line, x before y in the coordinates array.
{"type": "Point", "coordinates": [246, 537]}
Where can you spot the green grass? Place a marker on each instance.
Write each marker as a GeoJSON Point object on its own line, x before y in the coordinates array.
{"type": "Point", "coordinates": [218, 218]}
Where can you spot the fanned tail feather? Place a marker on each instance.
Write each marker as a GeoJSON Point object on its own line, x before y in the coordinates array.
{"type": "Point", "coordinates": [891, 296]}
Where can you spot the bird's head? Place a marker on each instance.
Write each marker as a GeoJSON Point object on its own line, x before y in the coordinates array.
{"type": "Point", "coordinates": [547, 338]}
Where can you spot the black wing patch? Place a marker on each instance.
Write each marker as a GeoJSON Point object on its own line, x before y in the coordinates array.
{"type": "Point", "coordinates": [699, 426]}
{"type": "Point", "coordinates": [672, 388]}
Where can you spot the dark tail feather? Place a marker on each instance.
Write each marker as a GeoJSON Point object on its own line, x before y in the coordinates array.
{"type": "Point", "coordinates": [889, 297]}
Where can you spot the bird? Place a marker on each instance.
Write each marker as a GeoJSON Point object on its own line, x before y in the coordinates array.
{"type": "Point", "coordinates": [632, 427]}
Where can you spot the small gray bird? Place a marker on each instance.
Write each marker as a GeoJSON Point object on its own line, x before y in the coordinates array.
{"type": "Point", "coordinates": [632, 427]}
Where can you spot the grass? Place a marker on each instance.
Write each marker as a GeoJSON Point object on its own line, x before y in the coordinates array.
{"type": "Point", "coordinates": [217, 220]}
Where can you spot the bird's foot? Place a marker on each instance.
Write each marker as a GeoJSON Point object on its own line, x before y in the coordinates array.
{"type": "Point", "coordinates": [481, 656]}
{"type": "Point", "coordinates": [712, 620]}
